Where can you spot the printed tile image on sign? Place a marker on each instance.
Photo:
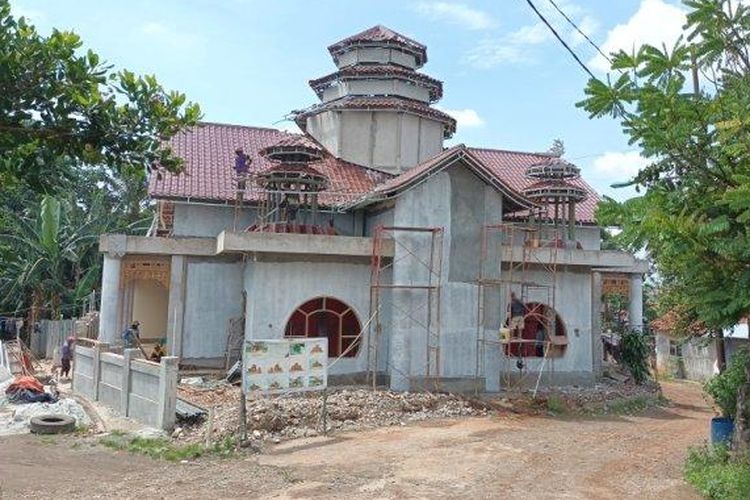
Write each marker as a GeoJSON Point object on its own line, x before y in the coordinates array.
{"type": "Point", "coordinates": [282, 366]}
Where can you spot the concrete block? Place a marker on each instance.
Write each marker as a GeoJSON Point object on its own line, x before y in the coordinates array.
{"type": "Point", "coordinates": [127, 355]}
{"type": "Point", "coordinates": [167, 392]}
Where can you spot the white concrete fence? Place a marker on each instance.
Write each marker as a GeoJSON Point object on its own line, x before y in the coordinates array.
{"type": "Point", "coordinates": [133, 387]}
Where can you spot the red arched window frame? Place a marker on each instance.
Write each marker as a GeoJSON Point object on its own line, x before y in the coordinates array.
{"type": "Point", "coordinates": [534, 318]}
{"type": "Point", "coordinates": [327, 317]}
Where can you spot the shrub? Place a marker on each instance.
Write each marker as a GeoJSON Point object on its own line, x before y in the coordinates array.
{"type": "Point", "coordinates": [723, 388]}
{"type": "Point", "coordinates": [715, 475]}
{"type": "Point", "coordinates": [635, 352]}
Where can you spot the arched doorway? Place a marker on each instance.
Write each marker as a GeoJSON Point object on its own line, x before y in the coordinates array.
{"type": "Point", "coordinates": [327, 317]}
{"type": "Point", "coordinates": [535, 338]}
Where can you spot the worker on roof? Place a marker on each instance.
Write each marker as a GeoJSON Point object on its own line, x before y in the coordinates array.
{"type": "Point", "coordinates": [67, 357]}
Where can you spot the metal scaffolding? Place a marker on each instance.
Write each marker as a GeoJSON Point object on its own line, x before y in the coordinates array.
{"type": "Point", "coordinates": [522, 258]}
{"type": "Point", "coordinates": [421, 249]}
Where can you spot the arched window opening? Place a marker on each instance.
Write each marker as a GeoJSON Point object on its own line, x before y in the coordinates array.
{"type": "Point", "coordinates": [536, 337]}
{"type": "Point", "coordinates": [327, 317]}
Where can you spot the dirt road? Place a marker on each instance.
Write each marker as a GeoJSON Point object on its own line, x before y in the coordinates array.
{"type": "Point", "coordinates": [609, 457]}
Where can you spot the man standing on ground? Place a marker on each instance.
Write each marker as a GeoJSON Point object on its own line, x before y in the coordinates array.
{"type": "Point", "coordinates": [67, 357]}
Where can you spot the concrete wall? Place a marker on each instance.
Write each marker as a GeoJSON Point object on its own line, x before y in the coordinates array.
{"type": "Point", "coordinates": [376, 55]}
{"type": "Point", "coordinates": [208, 221]}
{"type": "Point", "coordinates": [384, 86]}
{"type": "Point", "coordinates": [698, 359]}
{"type": "Point", "coordinates": [276, 289]}
{"type": "Point", "coordinates": [325, 127]}
{"type": "Point", "coordinates": [150, 301]}
{"type": "Point", "coordinates": [450, 199]}
{"type": "Point", "coordinates": [573, 305]}
{"type": "Point", "coordinates": [390, 141]}
{"type": "Point", "coordinates": [213, 294]}
{"type": "Point", "coordinates": [132, 387]}
{"type": "Point", "coordinates": [460, 203]}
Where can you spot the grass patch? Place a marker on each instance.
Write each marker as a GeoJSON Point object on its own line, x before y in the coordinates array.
{"type": "Point", "coordinates": [713, 474]}
{"type": "Point", "coordinates": [555, 405]}
{"type": "Point", "coordinates": [625, 406]}
{"type": "Point", "coordinates": [164, 449]}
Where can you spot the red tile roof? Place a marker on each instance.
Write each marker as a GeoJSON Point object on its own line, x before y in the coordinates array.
{"type": "Point", "coordinates": [376, 102]}
{"type": "Point", "coordinates": [440, 161]}
{"type": "Point", "coordinates": [208, 151]}
{"type": "Point", "coordinates": [510, 166]}
{"type": "Point", "coordinates": [362, 71]}
{"type": "Point", "coordinates": [381, 34]}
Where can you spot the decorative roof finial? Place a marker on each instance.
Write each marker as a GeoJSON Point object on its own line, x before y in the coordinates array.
{"type": "Point", "coordinates": [557, 149]}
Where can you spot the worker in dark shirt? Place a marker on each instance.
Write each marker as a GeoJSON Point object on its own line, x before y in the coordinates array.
{"type": "Point", "coordinates": [517, 313]}
{"type": "Point", "coordinates": [67, 357]}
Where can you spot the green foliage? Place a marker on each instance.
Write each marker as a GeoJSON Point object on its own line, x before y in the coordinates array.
{"type": "Point", "coordinates": [712, 472]}
{"type": "Point", "coordinates": [62, 107]}
{"type": "Point", "coordinates": [49, 258]}
{"type": "Point", "coordinates": [723, 388]}
{"type": "Point", "coordinates": [692, 217]}
{"type": "Point", "coordinates": [164, 449]}
{"type": "Point", "coordinates": [556, 405]}
{"type": "Point", "coordinates": [635, 352]}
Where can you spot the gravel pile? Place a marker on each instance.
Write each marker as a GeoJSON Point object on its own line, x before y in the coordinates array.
{"type": "Point", "coordinates": [299, 415]}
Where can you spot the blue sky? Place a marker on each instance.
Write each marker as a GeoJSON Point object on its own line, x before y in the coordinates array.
{"type": "Point", "coordinates": [507, 81]}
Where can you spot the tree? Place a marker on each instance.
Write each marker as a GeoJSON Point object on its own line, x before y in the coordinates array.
{"type": "Point", "coordinates": [694, 213]}
{"type": "Point", "coordinates": [48, 263]}
{"type": "Point", "coordinates": [62, 108]}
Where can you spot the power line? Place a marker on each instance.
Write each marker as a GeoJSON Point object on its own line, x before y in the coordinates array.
{"type": "Point", "coordinates": [559, 38]}
{"type": "Point", "coordinates": [580, 32]}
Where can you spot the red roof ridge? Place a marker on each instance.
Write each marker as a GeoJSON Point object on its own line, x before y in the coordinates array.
{"type": "Point", "coordinates": [237, 125]}
{"type": "Point", "coordinates": [513, 151]}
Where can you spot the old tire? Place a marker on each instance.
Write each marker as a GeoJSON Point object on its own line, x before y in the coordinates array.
{"type": "Point", "coordinates": [52, 424]}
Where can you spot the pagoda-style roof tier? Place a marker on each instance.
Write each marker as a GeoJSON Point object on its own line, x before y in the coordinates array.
{"type": "Point", "coordinates": [381, 37]}
{"type": "Point", "coordinates": [293, 148]}
{"type": "Point", "coordinates": [554, 191]}
{"type": "Point", "coordinates": [379, 72]}
{"type": "Point", "coordinates": [390, 103]}
{"type": "Point", "coordinates": [292, 177]}
{"type": "Point", "coordinates": [553, 168]}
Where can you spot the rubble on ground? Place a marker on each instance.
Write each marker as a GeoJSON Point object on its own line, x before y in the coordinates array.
{"type": "Point", "coordinates": [299, 415]}
{"type": "Point", "coordinates": [276, 418]}
{"type": "Point", "coordinates": [18, 421]}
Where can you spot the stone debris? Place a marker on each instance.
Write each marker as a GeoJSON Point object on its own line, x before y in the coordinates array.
{"type": "Point", "coordinates": [299, 415]}
{"type": "Point", "coordinates": [293, 416]}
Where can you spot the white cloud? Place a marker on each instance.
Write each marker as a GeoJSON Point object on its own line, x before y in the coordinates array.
{"type": "Point", "coordinates": [617, 166]}
{"type": "Point", "coordinates": [655, 22]}
{"type": "Point", "coordinates": [489, 53]}
{"type": "Point", "coordinates": [512, 48]}
{"type": "Point", "coordinates": [458, 14]}
{"type": "Point", "coordinates": [517, 47]}
{"type": "Point", "coordinates": [167, 35]}
{"type": "Point", "coordinates": [532, 34]}
{"type": "Point", "coordinates": [465, 117]}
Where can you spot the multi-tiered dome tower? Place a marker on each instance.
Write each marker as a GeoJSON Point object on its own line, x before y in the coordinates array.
{"type": "Point", "coordinates": [375, 109]}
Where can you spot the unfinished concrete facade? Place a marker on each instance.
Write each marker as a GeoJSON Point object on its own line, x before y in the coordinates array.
{"type": "Point", "coordinates": [286, 267]}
